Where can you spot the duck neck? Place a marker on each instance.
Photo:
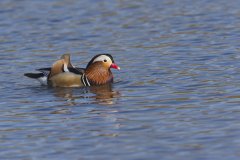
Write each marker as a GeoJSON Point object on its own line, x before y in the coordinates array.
{"type": "Point", "coordinates": [98, 75]}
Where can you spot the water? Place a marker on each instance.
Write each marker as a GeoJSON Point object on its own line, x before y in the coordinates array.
{"type": "Point", "coordinates": [177, 95]}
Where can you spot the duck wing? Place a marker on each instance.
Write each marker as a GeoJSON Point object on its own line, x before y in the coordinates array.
{"type": "Point", "coordinates": [76, 70]}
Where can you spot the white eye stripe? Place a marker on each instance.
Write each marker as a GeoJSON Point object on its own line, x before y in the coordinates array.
{"type": "Point", "coordinates": [102, 58]}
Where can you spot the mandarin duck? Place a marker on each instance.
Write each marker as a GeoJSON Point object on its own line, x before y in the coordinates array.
{"type": "Point", "coordinates": [64, 74]}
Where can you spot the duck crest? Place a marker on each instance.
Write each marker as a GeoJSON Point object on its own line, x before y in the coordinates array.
{"type": "Point", "coordinates": [98, 75]}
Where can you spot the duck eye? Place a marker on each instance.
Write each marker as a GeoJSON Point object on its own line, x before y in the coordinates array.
{"type": "Point", "coordinates": [104, 60]}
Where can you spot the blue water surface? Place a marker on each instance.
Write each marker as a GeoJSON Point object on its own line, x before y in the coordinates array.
{"type": "Point", "coordinates": [177, 95]}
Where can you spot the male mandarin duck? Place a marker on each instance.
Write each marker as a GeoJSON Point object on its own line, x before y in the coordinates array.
{"type": "Point", "coordinates": [64, 74]}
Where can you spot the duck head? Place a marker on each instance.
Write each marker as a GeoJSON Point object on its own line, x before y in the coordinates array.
{"type": "Point", "coordinates": [98, 69]}
{"type": "Point", "coordinates": [106, 60]}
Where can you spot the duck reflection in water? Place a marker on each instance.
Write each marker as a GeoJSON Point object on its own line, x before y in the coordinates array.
{"type": "Point", "coordinates": [103, 94]}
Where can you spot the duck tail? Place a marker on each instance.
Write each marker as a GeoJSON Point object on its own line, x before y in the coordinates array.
{"type": "Point", "coordinates": [41, 77]}
{"type": "Point", "coordinates": [34, 75]}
